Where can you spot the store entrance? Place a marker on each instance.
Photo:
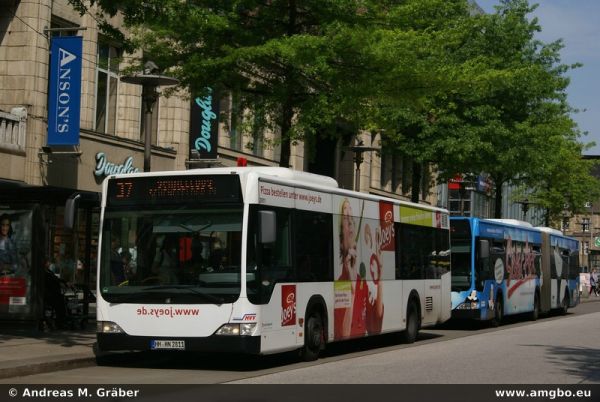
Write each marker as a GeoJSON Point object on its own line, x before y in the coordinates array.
{"type": "Point", "coordinates": [34, 241]}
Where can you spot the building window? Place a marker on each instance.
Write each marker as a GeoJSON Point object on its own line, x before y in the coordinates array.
{"type": "Point", "coordinates": [585, 224]}
{"type": "Point", "coordinates": [384, 172]}
{"type": "Point", "coordinates": [258, 133]}
{"type": "Point", "coordinates": [107, 78]}
{"type": "Point", "coordinates": [565, 224]}
{"type": "Point", "coordinates": [235, 128]}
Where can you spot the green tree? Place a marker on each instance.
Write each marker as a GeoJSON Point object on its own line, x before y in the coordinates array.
{"type": "Point", "coordinates": [503, 119]}
{"type": "Point", "coordinates": [305, 64]}
{"type": "Point", "coordinates": [564, 182]}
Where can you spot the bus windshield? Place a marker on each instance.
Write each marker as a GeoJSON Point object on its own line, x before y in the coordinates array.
{"type": "Point", "coordinates": [461, 265]}
{"type": "Point", "coordinates": [172, 256]}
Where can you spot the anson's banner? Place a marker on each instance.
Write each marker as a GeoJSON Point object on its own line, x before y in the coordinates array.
{"type": "Point", "coordinates": [64, 92]}
{"type": "Point", "coordinates": [204, 127]}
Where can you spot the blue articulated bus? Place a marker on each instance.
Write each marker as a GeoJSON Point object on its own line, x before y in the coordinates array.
{"type": "Point", "coordinates": [502, 267]}
{"type": "Point", "coordinates": [560, 271]}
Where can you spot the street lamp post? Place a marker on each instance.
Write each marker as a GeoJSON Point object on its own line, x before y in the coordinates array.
{"type": "Point", "coordinates": [359, 149]}
{"type": "Point", "coordinates": [591, 226]}
{"type": "Point", "coordinates": [149, 82]}
{"type": "Point", "coordinates": [524, 207]}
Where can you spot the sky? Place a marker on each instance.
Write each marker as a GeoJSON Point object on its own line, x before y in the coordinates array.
{"type": "Point", "coordinates": [573, 22]}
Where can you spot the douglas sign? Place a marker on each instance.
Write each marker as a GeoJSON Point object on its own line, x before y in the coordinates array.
{"type": "Point", "coordinates": [204, 127]}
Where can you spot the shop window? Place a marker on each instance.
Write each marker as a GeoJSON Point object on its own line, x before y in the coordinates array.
{"type": "Point", "coordinates": [15, 262]}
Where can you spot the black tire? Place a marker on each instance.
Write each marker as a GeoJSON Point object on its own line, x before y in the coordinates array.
{"type": "Point", "coordinates": [534, 315]}
{"type": "Point", "coordinates": [498, 312]}
{"type": "Point", "coordinates": [564, 306]}
{"type": "Point", "coordinates": [314, 337]}
{"type": "Point", "coordinates": [413, 323]}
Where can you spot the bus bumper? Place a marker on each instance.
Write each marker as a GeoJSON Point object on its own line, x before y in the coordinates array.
{"type": "Point", "coordinates": [214, 343]}
{"type": "Point", "coordinates": [472, 314]}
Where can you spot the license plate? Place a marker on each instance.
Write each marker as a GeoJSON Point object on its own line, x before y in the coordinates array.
{"type": "Point", "coordinates": [167, 345]}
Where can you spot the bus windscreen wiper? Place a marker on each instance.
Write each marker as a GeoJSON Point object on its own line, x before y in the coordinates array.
{"type": "Point", "coordinates": [207, 296]}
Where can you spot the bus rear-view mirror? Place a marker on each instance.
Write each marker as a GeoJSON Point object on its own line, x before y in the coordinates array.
{"type": "Point", "coordinates": [267, 225]}
{"type": "Point", "coordinates": [484, 248]}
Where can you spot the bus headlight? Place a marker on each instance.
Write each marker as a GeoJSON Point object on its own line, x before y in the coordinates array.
{"type": "Point", "coordinates": [108, 327]}
{"type": "Point", "coordinates": [237, 329]}
{"type": "Point", "coordinates": [468, 306]}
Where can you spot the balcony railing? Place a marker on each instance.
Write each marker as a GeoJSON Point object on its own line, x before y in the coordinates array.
{"type": "Point", "coordinates": [13, 127]}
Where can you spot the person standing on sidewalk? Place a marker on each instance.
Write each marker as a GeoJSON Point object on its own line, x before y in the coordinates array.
{"type": "Point", "coordinates": [594, 283]}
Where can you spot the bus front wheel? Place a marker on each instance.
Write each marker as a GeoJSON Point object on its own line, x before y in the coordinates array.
{"type": "Point", "coordinates": [564, 307]}
{"type": "Point", "coordinates": [314, 337]}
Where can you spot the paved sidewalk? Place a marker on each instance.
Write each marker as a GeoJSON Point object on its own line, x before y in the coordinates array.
{"type": "Point", "coordinates": [25, 352]}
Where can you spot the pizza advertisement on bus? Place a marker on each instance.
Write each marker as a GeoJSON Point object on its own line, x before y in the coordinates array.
{"type": "Point", "coordinates": [365, 256]}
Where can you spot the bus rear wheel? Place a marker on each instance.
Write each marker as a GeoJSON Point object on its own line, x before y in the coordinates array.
{"type": "Point", "coordinates": [536, 308]}
{"type": "Point", "coordinates": [314, 337]}
{"type": "Point", "coordinates": [412, 324]}
{"type": "Point", "coordinates": [498, 312]}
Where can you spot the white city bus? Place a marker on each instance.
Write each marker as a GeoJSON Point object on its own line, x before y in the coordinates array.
{"type": "Point", "coordinates": [263, 260]}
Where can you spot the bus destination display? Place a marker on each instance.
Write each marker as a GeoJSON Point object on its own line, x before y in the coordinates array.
{"type": "Point", "coordinates": [180, 189]}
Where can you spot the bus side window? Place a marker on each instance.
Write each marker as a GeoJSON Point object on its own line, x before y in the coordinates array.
{"type": "Point", "coordinates": [313, 246]}
{"type": "Point", "coordinates": [484, 269]}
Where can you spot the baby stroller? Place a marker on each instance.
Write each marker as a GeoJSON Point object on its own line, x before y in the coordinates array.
{"type": "Point", "coordinates": [64, 305]}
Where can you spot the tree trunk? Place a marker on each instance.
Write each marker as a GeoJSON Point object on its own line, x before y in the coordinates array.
{"type": "Point", "coordinates": [287, 112]}
{"type": "Point", "coordinates": [415, 191]}
{"type": "Point", "coordinates": [498, 200]}
{"type": "Point", "coordinates": [286, 125]}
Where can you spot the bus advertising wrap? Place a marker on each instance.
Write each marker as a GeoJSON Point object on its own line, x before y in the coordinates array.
{"type": "Point", "coordinates": [204, 127]}
{"type": "Point", "coordinates": [64, 93]}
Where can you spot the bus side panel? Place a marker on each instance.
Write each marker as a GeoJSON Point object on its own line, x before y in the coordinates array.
{"type": "Point", "coordinates": [318, 291]}
{"type": "Point", "coordinates": [446, 302]}
{"type": "Point", "coordinates": [432, 302]}
{"type": "Point", "coordinates": [279, 319]}
{"type": "Point", "coordinates": [519, 296]}
{"type": "Point", "coordinates": [547, 299]}
{"type": "Point", "coordinates": [282, 319]}
{"type": "Point", "coordinates": [394, 299]}
{"type": "Point", "coordinates": [408, 286]}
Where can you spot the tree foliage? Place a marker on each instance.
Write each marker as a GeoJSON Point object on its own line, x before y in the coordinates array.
{"type": "Point", "coordinates": [509, 115]}
{"type": "Point", "coordinates": [467, 92]}
{"type": "Point", "coordinates": [306, 64]}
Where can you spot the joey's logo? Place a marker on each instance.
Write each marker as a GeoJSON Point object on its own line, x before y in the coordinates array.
{"type": "Point", "coordinates": [288, 305]}
{"type": "Point", "coordinates": [386, 222]}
